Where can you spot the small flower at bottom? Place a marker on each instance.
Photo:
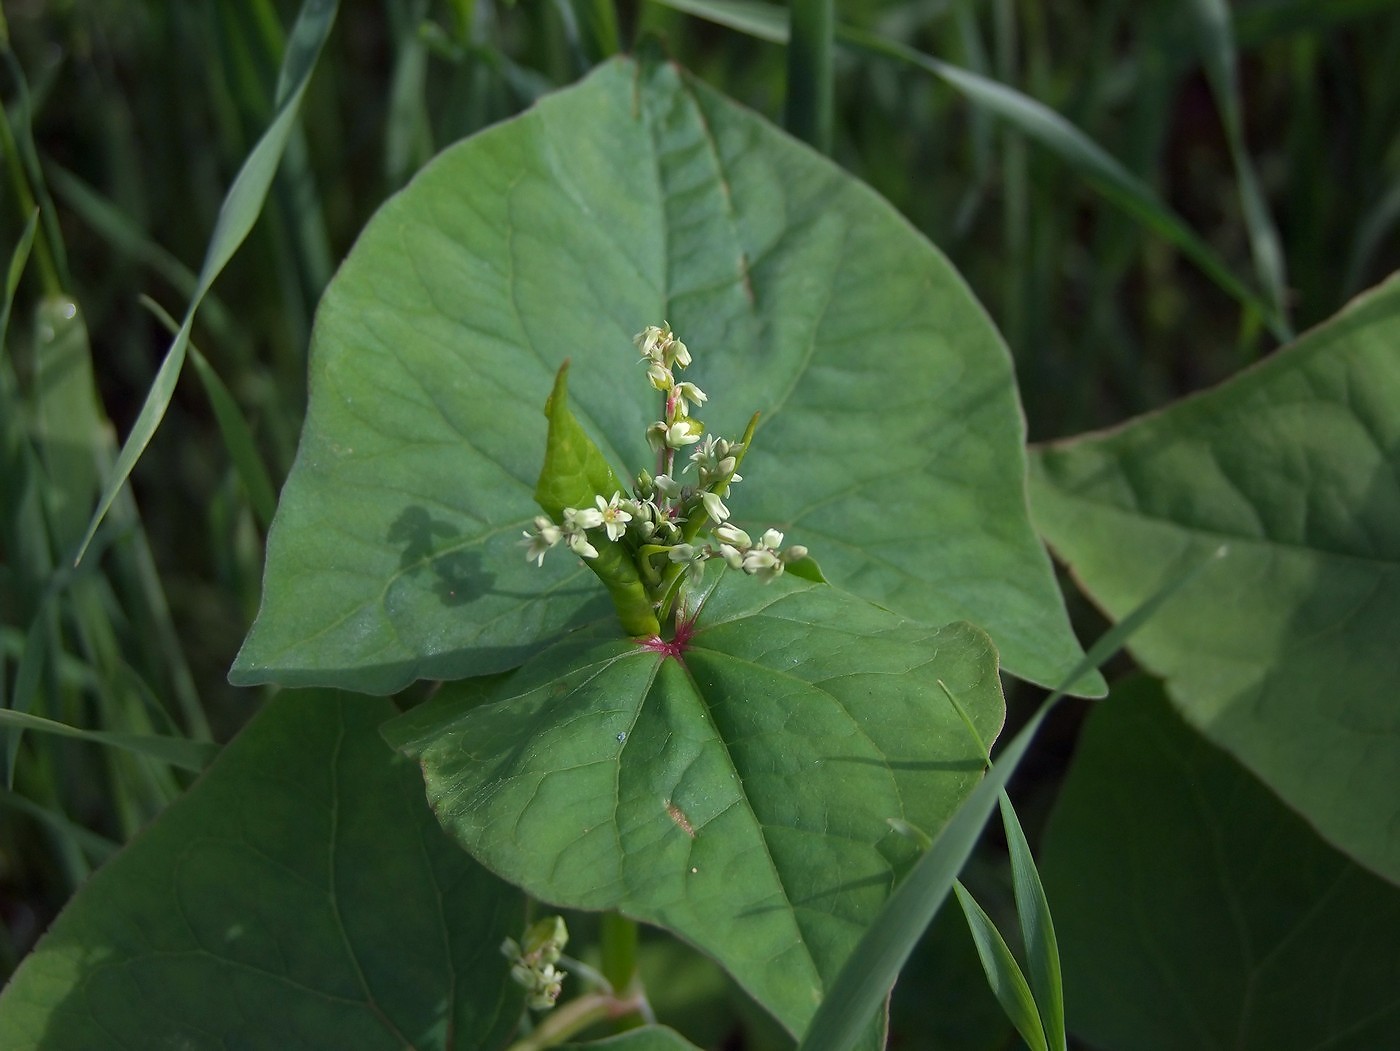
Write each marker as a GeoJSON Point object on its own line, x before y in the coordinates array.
{"type": "Point", "coordinates": [763, 563]}
{"type": "Point", "coordinates": [692, 557]}
{"type": "Point", "coordinates": [579, 545]}
{"type": "Point", "coordinates": [532, 964]}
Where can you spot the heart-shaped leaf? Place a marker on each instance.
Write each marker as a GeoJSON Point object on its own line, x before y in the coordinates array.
{"type": "Point", "coordinates": [890, 442]}
{"type": "Point", "coordinates": [1285, 653]}
{"type": "Point", "coordinates": [736, 786]}
{"type": "Point", "coordinates": [299, 896]}
{"type": "Point", "coordinates": [1197, 911]}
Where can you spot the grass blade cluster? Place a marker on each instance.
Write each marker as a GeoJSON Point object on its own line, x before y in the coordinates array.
{"type": "Point", "coordinates": [1037, 931]}
{"type": "Point", "coordinates": [1003, 973]}
{"type": "Point", "coordinates": [240, 210]}
{"type": "Point", "coordinates": [1034, 119]}
{"type": "Point", "coordinates": [868, 975]}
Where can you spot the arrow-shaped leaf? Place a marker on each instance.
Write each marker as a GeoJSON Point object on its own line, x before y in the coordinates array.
{"type": "Point", "coordinates": [891, 442]}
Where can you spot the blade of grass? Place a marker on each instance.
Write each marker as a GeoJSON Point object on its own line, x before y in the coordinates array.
{"type": "Point", "coordinates": [1037, 930]}
{"type": "Point", "coordinates": [974, 55]}
{"type": "Point", "coordinates": [1015, 195]}
{"type": "Point", "coordinates": [240, 210]}
{"type": "Point", "coordinates": [867, 976]}
{"type": "Point", "coordinates": [1377, 224]}
{"type": "Point", "coordinates": [237, 435]}
{"type": "Point", "coordinates": [135, 570]}
{"type": "Point", "coordinates": [1216, 41]}
{"type": "Point", "coordinates": [1054, 133]}
{"type": "Point", "coordinates": [1004, 976]}
{"type": "Point", "coordinates": [17, 140]}
{"type": "Point", "coordinates": [810, 93]}
{"type": "Point", "coordinates": [177, 751]}
{"type": "Point", "coordinates": [18, 258]}
{"type": "Point", "coordinates": [69, 422]}
{"type": "Point", "coordinates": [136, 788]}
{"type": "Point", "coordinates": [598, 33]}
{"type": "Point", "coordinates": [408, 139]}
{"type": "Point", "coordinates": [120, 231]}
{"type": "Point", "coordinates": [32, 672]}
{"type": "Point", "coordinates": [1034, 119]}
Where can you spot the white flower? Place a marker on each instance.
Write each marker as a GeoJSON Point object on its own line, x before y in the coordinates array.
{"type": "Point", "coordinates": [676, 351]}
{"type": "Point", "coordinates": [661, 377]}
{"type": "Point", "coordinates": [772, 540]}
{"type": "Point", "coordinates": [614, 518]}
{"type": "Point", "coordinates": [733, 557]}
{"type": "Point", "coordinates": [762, 563]}
{"type": "Point", "coordinates": [650, 339]}
{"type": "Point", "coordinates": [734, 536]}
{"type": "Point", "coordinates": [682, 553]}
{"type": "Point", "coordinates": [667, 486]}
{"type": "Point", "coordinates": [539, 540]}
{"type": "Point", "coordinates": [683, 433]}
{"type": "Point", "coordinates": [587, 518]}
{"type": "Point", "coordinates": [705, 455]}
{"type": "Point", "coordinates": [686, 392]}
{"type": "Point", "coordinates": [656, 435]}
{"type": "Point", "coordinates": [714, 507]}
{"type": "Point", "coordinates": [579, 545]}
{"type": "Point", "coordinates": [795, 553]}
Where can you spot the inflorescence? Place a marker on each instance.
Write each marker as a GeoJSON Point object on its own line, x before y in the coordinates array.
{"type": "Point", "coordinates": [660, 524]}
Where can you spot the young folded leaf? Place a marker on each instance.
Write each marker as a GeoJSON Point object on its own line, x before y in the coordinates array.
{"type": "Point", "coordinates": [574, 472]}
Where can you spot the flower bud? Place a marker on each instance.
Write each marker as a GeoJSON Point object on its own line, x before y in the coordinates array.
{"type": "Point", "coordinates": [714, 506]}
{"type": "Point", "coordinates": [733, 535]}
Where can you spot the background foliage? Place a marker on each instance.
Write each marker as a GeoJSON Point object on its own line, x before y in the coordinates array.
{"type": "Point", "coordinates": [142, 112]}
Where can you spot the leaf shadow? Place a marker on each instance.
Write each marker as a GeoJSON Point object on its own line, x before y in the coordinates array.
{"type": "Point", "coordinates": [460, 577]}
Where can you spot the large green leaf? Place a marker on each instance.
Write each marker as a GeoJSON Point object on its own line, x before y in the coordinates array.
{"type": "Point", "coordinates": [1199, 912]}
{"type": "Point", "coordinates": [1285, 655]}
{"type": "Point", "coordinates": [299, 896]}
{"type": "Point", "coordinates": [891, 441]}
{"type": "Point", "coordinates": [738, 791]}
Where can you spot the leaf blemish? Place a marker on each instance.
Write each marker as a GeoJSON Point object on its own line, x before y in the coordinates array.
{"type": "Point", "coordinates": [675, 814]}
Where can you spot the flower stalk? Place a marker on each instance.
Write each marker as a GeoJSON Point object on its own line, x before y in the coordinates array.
{"type": "Point", "coordinates": [645, 544]}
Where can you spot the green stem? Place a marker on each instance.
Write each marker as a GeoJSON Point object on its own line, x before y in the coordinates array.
{"type": "Point", "coordinates": [564, 1022]}
{"type": "Point", "coordinates": [670, 581]}
{"type": "Point", "coordinates": [619, 939]}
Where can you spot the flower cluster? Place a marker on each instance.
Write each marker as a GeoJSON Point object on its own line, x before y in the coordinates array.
{"type": "Point", "coordinates": [532, 964]}
{"type": "Point", "coordinates": [660, 522]}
